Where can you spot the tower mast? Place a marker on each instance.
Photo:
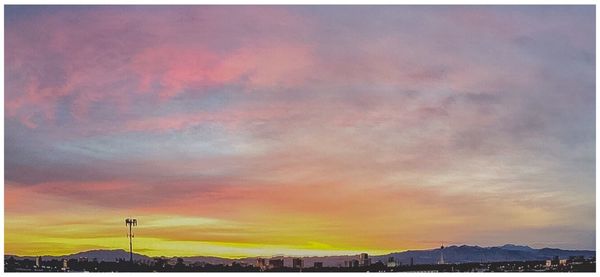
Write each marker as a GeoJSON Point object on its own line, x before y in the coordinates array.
{"type": "Point", "coordinates": [130, 222]}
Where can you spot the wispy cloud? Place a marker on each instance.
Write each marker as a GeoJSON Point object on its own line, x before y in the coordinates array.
{"type": "Point", "coordinates": [294, 128]}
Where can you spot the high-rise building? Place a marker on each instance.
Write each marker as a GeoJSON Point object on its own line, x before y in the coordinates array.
{"type": "Point", "coordinates": [554, 262]}
{"type": "Point", "coordinates": [412, 261]}
{"type": "Point", "coordinates": [351, 263]}
{"type": "Point", "coordinates": [65, 266]}
{"type": "Point", "coordinates": [391, 262]}
{"type": "Point", "coordinates": [38, 262]}
{"type": "Point", "coordinates": [364, 259]}
{"type": "Point", "coordinates": [261, 263]}
{"type": "Point", "coordinates": [441, 261]}
{"type": "Point", "coordinates": [297, 263]}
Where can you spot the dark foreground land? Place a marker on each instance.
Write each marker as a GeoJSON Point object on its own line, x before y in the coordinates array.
{"type": "Point", "coordinates": [77, 265]}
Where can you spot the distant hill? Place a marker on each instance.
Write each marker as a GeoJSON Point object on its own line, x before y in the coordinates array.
{"type": "Point", "coordinates": [452, 254]}
{"type": "Point", "coordinates": [100, 255]}
{"type": "Point", "coordinates": [107, 255]}
{"type": "Point", "coordinates": [517, 247]}
{"type": "Point", "coordinates": [466, 254]}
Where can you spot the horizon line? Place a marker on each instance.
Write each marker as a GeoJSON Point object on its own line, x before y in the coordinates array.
{"type": "Point", "coordinates": [288, 255]}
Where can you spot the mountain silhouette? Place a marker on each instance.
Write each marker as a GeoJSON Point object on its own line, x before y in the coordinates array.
{"type": "Point", "coordinates": [452, 254]}
{"type": "Point", "coordinates": [469, 254]}
{"type": "Point", "coordinates": [516, 247]}
{"type": "Point", "coordinates": [100, 255]}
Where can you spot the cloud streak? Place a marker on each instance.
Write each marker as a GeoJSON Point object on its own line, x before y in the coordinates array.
{"type": "Point", "coordinates": [262, 130]}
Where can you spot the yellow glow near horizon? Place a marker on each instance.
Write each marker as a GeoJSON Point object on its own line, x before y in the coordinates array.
{"type": "Point", "coordinates": [22, 241]}
{"type": "Point", "coordinates": [287, 229]}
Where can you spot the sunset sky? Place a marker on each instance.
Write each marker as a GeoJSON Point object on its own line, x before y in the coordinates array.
{"type": "Point", "coordinates": [260, 130]}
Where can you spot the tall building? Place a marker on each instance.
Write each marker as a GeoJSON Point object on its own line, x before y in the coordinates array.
{"type": "Point", "coordinates": [554, 262]}
{"type": "Point", "coordinates": [65, 266]}
{"type": "Point", "coordinates": [351, 263]}
{"type": "Point", "coordinates": [391, 262]}
{"type": "Point", "coordinates": [38, 262]}
{"type": "Point", "coordinates": [441, 255]}
{"type": "Point", "coordinates": [261, 263]}
{"type": "Point", "coordinates": [364, 259]}
{"type": "Point", "coordinates": [412, 261]}
{"type": "Point", "coordinates": [297, 263]}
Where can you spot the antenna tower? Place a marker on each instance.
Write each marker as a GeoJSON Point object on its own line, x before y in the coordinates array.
{"type": "Point", "coordinates": [130, 222]}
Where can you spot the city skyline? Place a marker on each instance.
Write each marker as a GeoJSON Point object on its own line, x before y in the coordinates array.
{"type": "Point", "coordinates": [237, 131]}
{"type": "Point", "coordinates": [506, 258]}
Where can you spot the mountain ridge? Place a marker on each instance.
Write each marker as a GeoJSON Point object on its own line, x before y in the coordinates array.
{"type": "Point", "coordinates": [452, 254]}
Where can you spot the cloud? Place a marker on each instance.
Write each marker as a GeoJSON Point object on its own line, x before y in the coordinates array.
{"type": "Point", "coordinates": [175, 69]}
{"type": "Point", "coordinates": [297, 124]}
{"type": "Point", "coordinates": [51, 59]}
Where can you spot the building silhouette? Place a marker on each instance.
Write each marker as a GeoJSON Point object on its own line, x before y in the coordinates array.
{"type": "Point", "coordinates": [392, 262]}
{"type": "Point", "coordinates": [38, 262]}
{"type": "Point", "coordinates": [261, 263]}
{"type": "Point", "coordinates": [297, 263]}
{"type": "Point", "coordinates": [351, 263]}
{"type": "Point", "coordinates": [65, 266]}
{"type": "Point", "coordinates": [364, 259]}
{"type": "Point", "coordinates": [275, 263]}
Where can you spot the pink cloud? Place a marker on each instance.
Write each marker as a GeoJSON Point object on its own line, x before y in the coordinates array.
{"type": "Point", "coordinates": [107, 57]}
{"type": "Point", "coordinates": [175, 67]}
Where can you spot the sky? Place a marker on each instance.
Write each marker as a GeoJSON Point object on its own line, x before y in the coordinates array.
{"type": "Point", "coordinates": [239, 131]}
